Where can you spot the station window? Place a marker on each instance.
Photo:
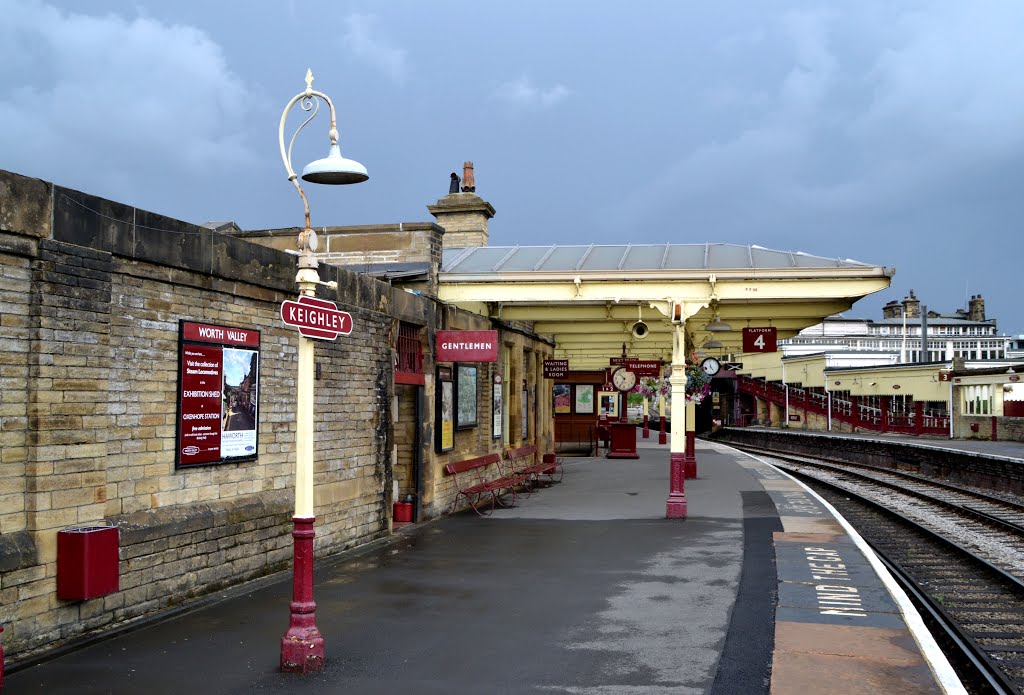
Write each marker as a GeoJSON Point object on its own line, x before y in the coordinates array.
{"type": "Point", "coordinates": [408, 355]}
{"type": "Point", "coordinates": [979, 400]}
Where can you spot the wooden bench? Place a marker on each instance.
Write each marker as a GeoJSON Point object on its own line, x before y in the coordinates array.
{"type": "Point", "coordinates": [523, 462]}
{"type": "Point", "coordinates": [482, 490]}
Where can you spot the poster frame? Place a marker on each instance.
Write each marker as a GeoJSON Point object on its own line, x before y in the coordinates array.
{"type": "Point", "coordinates": [256, 385]}
{"type": "Point", "coordinates": [613, 401]}
{"type": "Point", "coordinates": [464, 400]}
{"type": "Point", "coordinates": [497, 407]}
{"type": "Point", "coordinates": [576, 399]}
{"type": "Point", "coordinates": [445, 391]}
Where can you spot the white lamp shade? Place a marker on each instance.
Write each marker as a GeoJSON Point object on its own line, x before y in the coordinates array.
{"type": "Point", "coordinates": [335, 169]}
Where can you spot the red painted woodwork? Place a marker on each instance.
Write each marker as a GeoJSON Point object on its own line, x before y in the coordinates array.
{"type": "Point", "coordinates": [623, 441]}
{"type": "Point", "coordinates": [858, 412]}
{"type": "Point", "coordinates": [690, 460]}
{"type": "Point", "coordinates": [675, 507]}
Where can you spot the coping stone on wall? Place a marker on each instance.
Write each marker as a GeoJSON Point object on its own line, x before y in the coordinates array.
{"type": "Point", "coordinates": [24, 205]}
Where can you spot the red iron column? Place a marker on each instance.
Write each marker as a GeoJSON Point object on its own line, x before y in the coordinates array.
{"type": "Point", "coordinates": [302, 647]}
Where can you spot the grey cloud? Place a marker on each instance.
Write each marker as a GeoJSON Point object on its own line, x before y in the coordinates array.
{"type": "Point", "coordinates": [362, 40]}
{"type": "Point", "coordinates": [121, 93]}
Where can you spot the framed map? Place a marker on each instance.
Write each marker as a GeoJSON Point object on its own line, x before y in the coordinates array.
{"type": "Point", "coordinates": [465, 396]}
{"type": "Point", "coordinates": [584, 399]}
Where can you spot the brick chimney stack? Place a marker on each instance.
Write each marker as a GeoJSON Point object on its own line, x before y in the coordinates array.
{"type": "Point", "coordinates": [463, 213]}
{"type": "Point", "coordinates": [976, 308]}
{"type": "Point", "coordinates": [912, 306]}
{"type": "Point", "coordinates": [892, 310]}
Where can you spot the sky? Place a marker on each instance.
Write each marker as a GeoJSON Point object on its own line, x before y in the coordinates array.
{"type": "Point", "coordinates": [889, 132]}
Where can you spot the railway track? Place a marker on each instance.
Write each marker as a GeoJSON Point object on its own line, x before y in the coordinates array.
{"type": "Point", "coordinates": [958, 551]}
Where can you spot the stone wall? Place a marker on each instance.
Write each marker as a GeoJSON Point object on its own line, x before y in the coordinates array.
{"type": "Point", "coordinates": [990, 427]}
{"type": "Point", "coordinates": [439, 489]}
{"type": "Point", "coordinates": [966, 467]}
{"type": "Point", "coordinates": [93, 293]}
{"type": "Point", "coordinates": [88, 408]}
{"type": "Point", "coordinates": [365, 248]}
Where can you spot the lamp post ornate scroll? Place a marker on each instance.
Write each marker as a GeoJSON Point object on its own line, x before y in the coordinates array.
{"type": "Point", "coordinates": [302, 647]}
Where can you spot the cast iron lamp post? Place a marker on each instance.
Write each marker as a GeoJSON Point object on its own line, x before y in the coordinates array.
{"type": "Point", "coordinates": [302, 647]}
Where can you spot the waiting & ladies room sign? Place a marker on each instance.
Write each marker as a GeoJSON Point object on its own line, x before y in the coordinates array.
{"type": "Point", "coordinates": [218, 393]}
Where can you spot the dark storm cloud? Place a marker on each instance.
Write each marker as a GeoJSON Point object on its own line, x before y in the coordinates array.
{"type": "Point", "coordinates": [887, 132]}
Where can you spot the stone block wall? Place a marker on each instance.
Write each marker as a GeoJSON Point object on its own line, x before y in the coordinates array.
{"type": "Point", "coordinates": [1004, 429]}
{"type": "Point", "coordinates": [88, 409]}
{"type": "Point", "coordinates": [93, 294]}
{"type": "Point", "coordinates": [965, 467]}
{"type": "Point", "coordinates": [362, 248]}
{"type": "Point", "coordinates": [520, 357]}
{"type": "Point", "coordinates": [1010, 429]}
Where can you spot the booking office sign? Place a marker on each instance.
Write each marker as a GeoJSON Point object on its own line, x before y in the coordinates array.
{"type": "Point", "coordinates": [218, 393]}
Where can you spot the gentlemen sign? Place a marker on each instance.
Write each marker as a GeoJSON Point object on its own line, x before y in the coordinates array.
{"type": "Point", "coordinates": [556, 369]}
{"type": "Point", "coordinates": [316, 318]}
{"type": "Point", "coordinates": [467, 346]}
{"type": "Point", "coordinates": [760, 339]}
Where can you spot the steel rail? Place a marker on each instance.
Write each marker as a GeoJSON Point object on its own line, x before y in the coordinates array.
{"type": "Point", "coordinates": [987, 667]}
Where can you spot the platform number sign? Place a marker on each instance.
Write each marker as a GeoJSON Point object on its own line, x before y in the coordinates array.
{"type": "Point", "coordinates": [760, 339]}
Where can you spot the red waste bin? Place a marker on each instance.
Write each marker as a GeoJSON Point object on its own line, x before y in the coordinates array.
{"type": "Point", "coordinates": [401, 511]}
{"type": "Point", "coordinates": [87, 562]}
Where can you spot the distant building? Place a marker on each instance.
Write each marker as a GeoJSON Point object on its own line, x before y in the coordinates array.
{"type": "Point", "coordinates": [964, 333]}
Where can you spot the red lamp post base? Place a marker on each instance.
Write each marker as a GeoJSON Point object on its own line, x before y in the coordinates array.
{"type": "Point", "coordinates": [647, 430]}
{"type": "Point", "coordinates": [662, 435]}
{"type": "Point", "coordinates": [675, 507]}
{"type": "Point", "coordinates": [302, 647]}
{"type": "Point", "coordinates": [691, 455]}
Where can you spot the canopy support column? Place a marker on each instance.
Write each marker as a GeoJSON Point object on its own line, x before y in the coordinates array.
{"type": "Point", "coordinates": [675, 507]}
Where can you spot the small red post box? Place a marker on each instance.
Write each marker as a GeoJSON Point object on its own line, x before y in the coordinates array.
{"type": "Point", "coordinates": [87, 562]}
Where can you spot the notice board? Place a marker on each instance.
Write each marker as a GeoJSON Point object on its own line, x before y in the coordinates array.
{"type": "Point", "coordinates": [218, 394]}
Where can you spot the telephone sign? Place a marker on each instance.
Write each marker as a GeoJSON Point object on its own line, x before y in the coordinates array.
{"type": "Point", "coordinates": [760, 339]}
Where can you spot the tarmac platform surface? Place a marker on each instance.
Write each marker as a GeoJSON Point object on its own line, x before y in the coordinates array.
{"type": "Point", "coordinates": [584, 587]}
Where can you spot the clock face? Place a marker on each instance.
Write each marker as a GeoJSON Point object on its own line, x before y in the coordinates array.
{"type": "Point", "coordinates": [623, 379]}
{"type": "Point", "coordinates": [710, 366]}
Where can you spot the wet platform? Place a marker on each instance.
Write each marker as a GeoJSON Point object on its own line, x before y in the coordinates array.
{"type": "Point", "coordinates": [584, 587]}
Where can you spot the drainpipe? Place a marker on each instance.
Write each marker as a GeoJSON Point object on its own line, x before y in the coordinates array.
{"type": "Point", "coordinates": [417, 455]}
{"type": "Point", "coordinates": [950, 406]}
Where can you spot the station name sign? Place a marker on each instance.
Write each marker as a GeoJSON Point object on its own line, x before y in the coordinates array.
{"type": "Point", "coordinates": [761, 339]}
{"type": "Point", "coordinates": [556, 369]}
{"type": "Point", "coordinates": [466, 346]}
{"type": "Point", "coordinates": [638, 367]}
{"type": "Point", "coordinates": [316, 318]}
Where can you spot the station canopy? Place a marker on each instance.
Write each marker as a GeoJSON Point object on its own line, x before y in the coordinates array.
{"type": "Point", "coordinates": [590, 298]}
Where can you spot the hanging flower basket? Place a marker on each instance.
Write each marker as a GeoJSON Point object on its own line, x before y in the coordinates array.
{"type": "Point", "coordinates": [698, 383]}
